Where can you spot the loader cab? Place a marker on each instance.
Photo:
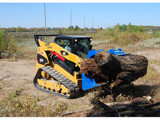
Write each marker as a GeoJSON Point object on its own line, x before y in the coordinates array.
{"type": "Point", "coordinates": [79, 45]}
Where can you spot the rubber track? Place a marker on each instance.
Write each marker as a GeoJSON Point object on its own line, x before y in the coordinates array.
{"type": "Point", "coordinates": [73, 88]}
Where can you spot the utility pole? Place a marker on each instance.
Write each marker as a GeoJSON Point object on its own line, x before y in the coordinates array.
{"type": "Point", "coordinates": [84, 21]}
{"type": "Point", "coordinates": [105, 26]}
{"type": "Point", "coordinates": [71, 18]}
{"type": "Point", "coordinates": [98, 24]}
{"type": "Point", "coordinates": [45, 16]}
{"type": "Point", "coordinates": [92, 22]}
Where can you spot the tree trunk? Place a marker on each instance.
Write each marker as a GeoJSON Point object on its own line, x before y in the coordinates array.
{"type": "Point", "coordinates": [105, 67]}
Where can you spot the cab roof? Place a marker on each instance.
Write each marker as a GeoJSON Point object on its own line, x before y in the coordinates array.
{"type": "Point", "coordinates": [72, 36]}
{"type": "Point", "coordinates": [64, 36]}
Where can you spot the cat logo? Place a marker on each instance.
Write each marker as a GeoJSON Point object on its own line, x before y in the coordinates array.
{"type": "Point", "coordinates": [49, 47]}
{"type": "Point", "coordinates": [47, 44]}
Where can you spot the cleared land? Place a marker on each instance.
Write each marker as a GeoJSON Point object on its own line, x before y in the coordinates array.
{"type": "Point", "coordinates": [20, 98]}
{"type": "Point", "coordinates": [17, 75]}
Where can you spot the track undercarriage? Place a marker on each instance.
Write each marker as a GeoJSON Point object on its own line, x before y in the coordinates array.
{"type": "Point", "coordinates": [51, 81]}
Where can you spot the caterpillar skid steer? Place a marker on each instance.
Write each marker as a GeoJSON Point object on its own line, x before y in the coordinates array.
{"type": "Point", "coordinates": [58, 64]}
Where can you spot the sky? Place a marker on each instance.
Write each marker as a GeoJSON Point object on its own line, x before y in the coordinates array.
{"type": "Point", "coordinates": [83, 14]}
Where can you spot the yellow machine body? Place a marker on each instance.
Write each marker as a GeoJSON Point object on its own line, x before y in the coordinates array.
{"type": "Point", "coordinates": [46, 81]}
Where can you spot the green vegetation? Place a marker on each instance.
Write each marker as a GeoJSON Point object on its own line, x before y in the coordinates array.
{"type": "Point", "coordinates": [156, 34]}
{"type": "Point", "coordinates": [124, 34]}
{"type": "Point", "coordinates": [71, 29]}
{"type": "Point", "coordinates": [7, 45]}
{"type": "Point", "coordinates": [17, 106]}
{"type": "Point", "coordinates": [19, 42]}
{"type": "Point", "coordinates": [3, 42]}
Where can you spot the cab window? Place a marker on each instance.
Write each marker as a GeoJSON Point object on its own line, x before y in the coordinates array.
{"type": "Point", "coordinates": [65, 43]}
{"type": "Point", "coordinates": [82, 47]}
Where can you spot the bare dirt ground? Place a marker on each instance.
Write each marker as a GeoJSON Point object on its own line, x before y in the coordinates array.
{"type": "Point", "coordinates": [19, 74]}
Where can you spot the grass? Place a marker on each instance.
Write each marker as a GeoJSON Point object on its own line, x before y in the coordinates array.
{"type": "Point", "coordinates": [17, 106]}
{"type": "Point", "coordinates": [152, 75]}
{"type": "Point", "coordinates": [126, 38]}
{"type": "Point", "coordinates": [7, 45]}
{"type": "Point", "coordinates": [3, 42]}
{"type": "Point", "coordinates": [25, 53]}
{"type": "Point", "coordinates": [150, 43]}
{"type": "Point", "coordinates": [123, 34]}
{"type": "Point", "coordinates": [156, 62]}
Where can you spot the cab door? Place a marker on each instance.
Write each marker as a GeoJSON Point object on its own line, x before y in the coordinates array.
{"type": "Point", "coordinates": [65, 43]}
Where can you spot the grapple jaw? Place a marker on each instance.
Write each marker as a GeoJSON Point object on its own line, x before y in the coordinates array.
{"type": "Point", "coordinates": [117, 52]}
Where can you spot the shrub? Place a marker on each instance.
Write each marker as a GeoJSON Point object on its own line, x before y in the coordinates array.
{"type": "Point", "coordinates": [3, 41]}
{"type": "Point", "coordinates": [7, 45]}
{"type": "Point", "coordinates": [123, 34]}
{"type": "Point", "coordinates": [156, 34]}
{"type": "Point", "coordinates": [126, 38]}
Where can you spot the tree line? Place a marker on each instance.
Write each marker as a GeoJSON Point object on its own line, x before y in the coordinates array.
{"type": "Point", "coordinates": [70, 28]}
{"type": "Point", "coordinates": [129, 27]}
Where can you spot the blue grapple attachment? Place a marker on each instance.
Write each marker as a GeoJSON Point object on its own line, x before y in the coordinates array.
{"type": "Point", "coordinates": [87, 81]}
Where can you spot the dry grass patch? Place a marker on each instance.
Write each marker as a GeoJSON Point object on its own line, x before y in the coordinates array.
{"type": "Point", "coordinates": [17, 106]}
{"type": "Point", "coordinates": [151, 75]}
{"type": "Point", "coordinates": [157, 62]}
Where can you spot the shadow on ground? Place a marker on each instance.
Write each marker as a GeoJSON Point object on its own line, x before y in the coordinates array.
{"type": "Point", "coordinates": [127, 92]}
{"type": "Point", "coordinates": [131, 91]}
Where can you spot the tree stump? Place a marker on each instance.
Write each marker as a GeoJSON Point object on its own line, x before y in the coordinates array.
{"type": "Point", "coordinates": [115, 69]}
